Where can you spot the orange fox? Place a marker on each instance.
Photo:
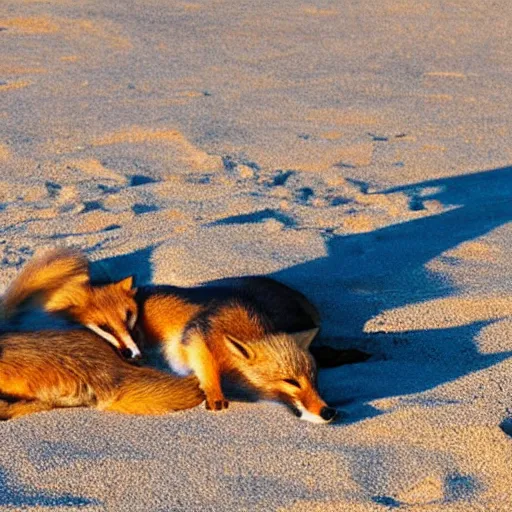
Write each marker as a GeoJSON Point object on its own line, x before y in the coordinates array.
{"type": "Point", "coordinates": [44, 370]}
{"type": "Point", "coordinates": [60, 280]}
{"type": "Point", "coordinates": [253, 329]}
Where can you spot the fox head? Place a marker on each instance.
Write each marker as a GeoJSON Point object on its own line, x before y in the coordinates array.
{"type": "Point", "coordinates": [109, 310]}
{"type": "Point", "coordinates": [280, 367]}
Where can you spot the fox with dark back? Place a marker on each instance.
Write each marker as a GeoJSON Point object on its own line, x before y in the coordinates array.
{"type": "Point", "coordinates": [253, 329]}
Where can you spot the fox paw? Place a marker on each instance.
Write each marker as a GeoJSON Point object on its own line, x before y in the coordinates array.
{"type": "Point", "coordinates": [216, 405]}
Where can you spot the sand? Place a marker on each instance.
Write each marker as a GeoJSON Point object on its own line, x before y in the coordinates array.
{"type": "Point", "coordinates": [358, 151]}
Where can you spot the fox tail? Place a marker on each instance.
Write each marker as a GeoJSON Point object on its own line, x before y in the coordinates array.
{"type": "Point", "coordinates": [53, 277]}
{"type": "Point", "coordinates": [149, 391]}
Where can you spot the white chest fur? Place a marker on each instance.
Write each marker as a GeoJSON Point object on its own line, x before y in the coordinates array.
{"type": "Point", "coordinates": [174, 354]}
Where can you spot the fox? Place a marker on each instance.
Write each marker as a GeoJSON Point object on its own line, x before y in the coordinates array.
{"type": "Point", "coordinates": [45, 370]}
{"type": "Point", "coordinates": [252, 330]}
{"type": "Point", "coordinates": [59, 279]}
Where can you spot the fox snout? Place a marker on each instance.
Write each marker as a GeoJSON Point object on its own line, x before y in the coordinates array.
{"type": "Point", "coordinates": [305, 401]}
{"type": "Point", "coordinates": [308, 405]}
{"type": "Point", "coordinates": [326, 414]}
{"type": "Point", "coordinates": [130, 350]}
{"type": "Point", "coordinates": [122, 341]}
{"type": "Point", "coordinates": [132, 355]}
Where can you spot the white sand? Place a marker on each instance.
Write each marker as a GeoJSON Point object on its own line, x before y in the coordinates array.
{"type": "Point", "coordinates": [355, 150]}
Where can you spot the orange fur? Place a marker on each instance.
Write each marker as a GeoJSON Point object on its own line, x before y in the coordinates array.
{"type": "Point", "coordinates": [59, 271]}
{"type": "Point", "coordinates": [59, 281]}
{"type": "Point", "coordinates": [253, 327]}
{"type": "Point", "coordinates": [165, 316]}
{"type": "Point", "coordinates": [45, 370]}
{"type": "Point", "coordinates": [228, 334]}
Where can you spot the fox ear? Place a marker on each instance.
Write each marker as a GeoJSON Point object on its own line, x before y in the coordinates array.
{"type": "Point", "coordinates": [125, 284]}
{"type": "Point", "coordinates": [304, 338]}
{"type": "Point", "coordinates": [239, 348]}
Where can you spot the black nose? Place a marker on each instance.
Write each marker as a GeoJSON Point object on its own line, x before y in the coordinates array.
{"type": "Point", "coordinates": [328, 413]}
{"type": "Point", "coordinates": [128, 354]}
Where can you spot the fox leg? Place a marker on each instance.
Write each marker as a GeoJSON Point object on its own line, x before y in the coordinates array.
{"type": "Point", "coordinates": [21, 408]}
{"type": "Point", "coordinates": [206, 369]}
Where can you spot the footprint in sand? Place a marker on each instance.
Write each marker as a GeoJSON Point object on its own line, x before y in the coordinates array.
{"type": "Point", "coordinates": [15, 257]}
{"type": "Point", "coordinates": [434, 490]}
{"type": "Point", "coordinates": [139, 179]}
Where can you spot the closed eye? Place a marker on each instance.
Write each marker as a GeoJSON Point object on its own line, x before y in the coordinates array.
{"type": "Point", "coordinates": [131, 318]}
{"type": "Point", "coordinates": [106, 328]}
{"type": "Point", "coordinates": [292, 382]}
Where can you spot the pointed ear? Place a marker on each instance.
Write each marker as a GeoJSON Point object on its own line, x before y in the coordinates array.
{"type": "Point", "coordinates": [125, 284]}
{"type": "Point", "coordinates": [304, 338]}
{"type": "Point", "coordinates": [239, 348]}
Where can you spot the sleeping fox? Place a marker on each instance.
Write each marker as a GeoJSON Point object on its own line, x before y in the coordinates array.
{"type": "Point", "coordinates": [45, 370]}
{"type": "Point", "coordinates": [253, 329]}
{"type": "Point", "coordinates": [59, 279]}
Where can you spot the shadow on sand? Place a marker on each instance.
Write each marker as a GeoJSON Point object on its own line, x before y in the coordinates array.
{"type": "Point", "coordinates": [13, 494]}
{"type": "Point", "coordinates": [136, 263]}
{"type": "Point", "coordinates": [366, 274]}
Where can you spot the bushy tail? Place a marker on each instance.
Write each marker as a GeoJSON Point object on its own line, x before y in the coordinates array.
{"type": "Point", "coordinates": [149, 391]}
{"type": "Point", "coordinates": [53, 277]}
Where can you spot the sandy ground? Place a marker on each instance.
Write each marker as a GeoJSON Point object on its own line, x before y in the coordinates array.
{"type": "Point", "coordinates": [359, 151]}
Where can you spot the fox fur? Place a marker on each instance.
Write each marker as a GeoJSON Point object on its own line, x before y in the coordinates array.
{"type": "Point", "coordinates": [59, 280]}
{"type": "Point", "coordinates": [44, 370]}
{"type": "Point", "coordinates": [253, 330]}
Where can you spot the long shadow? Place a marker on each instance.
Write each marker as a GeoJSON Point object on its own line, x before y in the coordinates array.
{"type": "Point", "coordinates": [14, 494]}
{"type": "Point", "coordinates": [136, 263]}
{"type": "Point", "coordinates": [258, 216]}
{"type": "Point", "coordinates": [366, 274]}
{"type": "Point", "coordinates": [435, 356]}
